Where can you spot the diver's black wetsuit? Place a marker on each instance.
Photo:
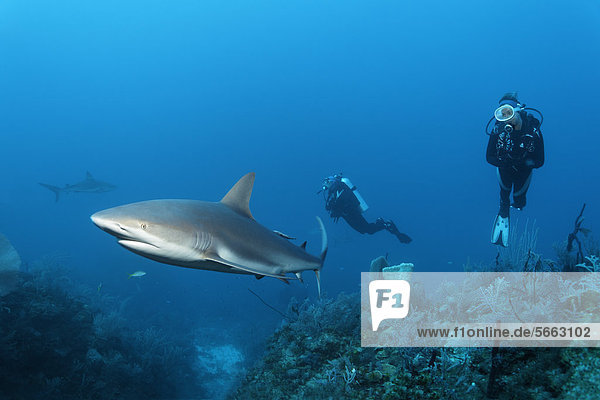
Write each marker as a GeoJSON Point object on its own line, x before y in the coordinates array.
{"type": "Point", "coordinates": [516, 155]}
{"type": "Point", "coordinates": [341, 202]}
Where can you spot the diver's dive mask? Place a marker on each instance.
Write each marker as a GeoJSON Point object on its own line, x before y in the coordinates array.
{"type": "Point", "coordinates": [506, 111]}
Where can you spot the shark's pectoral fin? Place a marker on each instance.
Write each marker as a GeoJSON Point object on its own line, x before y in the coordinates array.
{"type": "Point", "coordinates": [284, 280]}
{"type": "Point", "coordinates": [216, 258]}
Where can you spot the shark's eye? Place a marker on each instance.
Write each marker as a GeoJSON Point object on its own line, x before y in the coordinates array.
{"type": "Point", "coordinates": [143, 226]}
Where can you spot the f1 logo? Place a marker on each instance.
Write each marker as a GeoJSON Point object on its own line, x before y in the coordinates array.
{"type": "Point", "coordinates": [389, 300]}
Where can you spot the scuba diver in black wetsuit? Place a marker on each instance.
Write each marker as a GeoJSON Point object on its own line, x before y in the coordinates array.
{"type": "Point", "coordinates": [516, 147]}
{"type": "Point", "coordinates": [343, 200]}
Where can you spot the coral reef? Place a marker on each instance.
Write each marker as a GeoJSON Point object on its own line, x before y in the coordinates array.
{"type": "Point", "coordinates": [378, 264]}
{"type": "Point", "coordinates": [317, 355]}
{"type": "Point", "coordinates": [222, 365]}
{"type": "Point", "coordinates": [10, 262]}
{"type": "Point", "coordinates": [55, 346]}
{"type": "Point", "coordinates": [59, 342]}
{"type": "Point", "coordinates": [520, 252]}
{"type": "Point", "coordinates": [584, 370]}
{"type": "Point", "coordinates": [402, 267]}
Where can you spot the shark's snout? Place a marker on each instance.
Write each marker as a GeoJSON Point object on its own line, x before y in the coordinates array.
{"type": "Point", "coordinates": [99, 220]}
{"type": "Point", "coordinates": [107, 224]}
{"type": "Point", "coordinates": [127, 235]}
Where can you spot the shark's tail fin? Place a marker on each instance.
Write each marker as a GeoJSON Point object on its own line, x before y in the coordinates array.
{"type": "Point", "coordinates": [323, 253]}
{"type": "Point", "coordinates": [55, 189]}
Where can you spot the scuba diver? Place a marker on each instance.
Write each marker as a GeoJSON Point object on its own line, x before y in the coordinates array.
{"type": "Point", "coordinates": [515, 147]}
{"type": "Point", "coordinates": [343, 200]}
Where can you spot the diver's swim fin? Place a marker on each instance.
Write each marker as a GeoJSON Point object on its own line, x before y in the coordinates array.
{"type": "Point", "coordinates": [500, 231]}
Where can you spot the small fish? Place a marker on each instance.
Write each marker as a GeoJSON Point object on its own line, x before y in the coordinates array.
{"type": "Point", "coordinates": [137, 274]}
{"type": "Point", "coordinates": [99, 287]}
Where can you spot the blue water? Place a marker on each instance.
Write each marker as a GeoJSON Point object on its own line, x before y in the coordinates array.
{"type": "Point", "coordinates": [180, 99]}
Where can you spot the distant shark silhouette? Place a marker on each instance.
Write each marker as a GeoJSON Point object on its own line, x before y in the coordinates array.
{"type": "Point", "coordinates": [88, 185]}
{"type": "Point", "coordinates": [218, 236]}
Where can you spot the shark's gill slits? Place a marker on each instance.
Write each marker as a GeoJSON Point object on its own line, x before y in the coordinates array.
{"type": "Point", "coordinates": [203, 241]}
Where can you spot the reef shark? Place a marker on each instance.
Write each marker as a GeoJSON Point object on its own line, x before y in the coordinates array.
{"type": "Point", "coordinates": [218, 236]}
{"type": "Point", "coordinates": [88, 185]}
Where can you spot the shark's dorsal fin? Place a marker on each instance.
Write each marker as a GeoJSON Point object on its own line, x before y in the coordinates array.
{"type": "Point", "coordinates": [88, 175]}
{"type": "Point", "coordinates": [238, 197]}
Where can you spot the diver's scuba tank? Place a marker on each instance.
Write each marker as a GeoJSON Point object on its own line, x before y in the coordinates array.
{"type": "Point", "coordinates": [363, 205]}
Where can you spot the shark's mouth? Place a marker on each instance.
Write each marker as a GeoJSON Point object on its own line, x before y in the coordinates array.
{"type": "Point", "coordinates": [136, 245]}
{"type": "Point", "coordinates": [129, 242]}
